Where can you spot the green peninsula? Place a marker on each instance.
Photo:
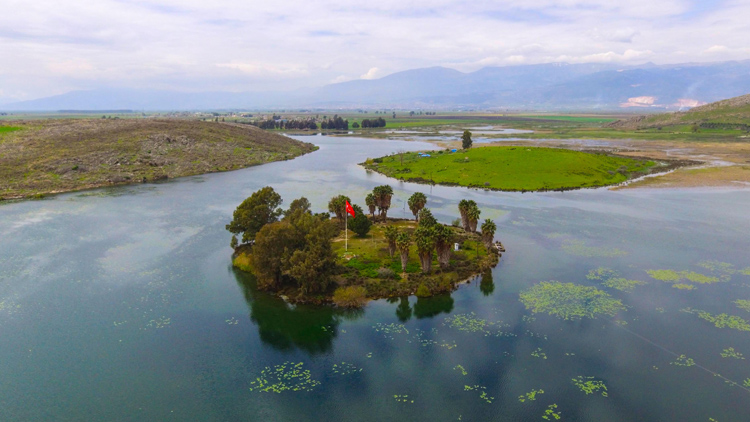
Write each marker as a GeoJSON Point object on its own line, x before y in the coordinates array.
{"type": "Point", "coordinates": [513, 168]}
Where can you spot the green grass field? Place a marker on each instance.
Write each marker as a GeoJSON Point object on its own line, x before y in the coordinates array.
{"type": "Point", "coordinates": [512, 168]}
{"type": "Point", "coordinates": [7, 129]}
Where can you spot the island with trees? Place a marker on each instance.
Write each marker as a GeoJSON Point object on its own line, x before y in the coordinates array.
{"type": "Point", "coordinates": [332, 257]}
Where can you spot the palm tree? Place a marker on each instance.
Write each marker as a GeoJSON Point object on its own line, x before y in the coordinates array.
{"type": "Point", "coordinates": [488, 233]}
{"type": "Point", "coordinates": [403, 241]}
{"type": "Point", "coordinates": [463, 207]}
{"type": "Point", "coordinates": [370, 202]}
{"type": "Point", "coordinates": [426, 219]}
{"type": "Point", "coordinates": [337, 206]}
{"type": "Point", "coordinates": [443, 244]}
{"type": "Point", "coordinates": [391, 234]}
{"type": "Point", "coordinates": [472, 215]}
{"type": "Point", "coordinates": [424, 238]}
{"type": "Point", "coordinates": [416, 202]}
{"type": "Point", "coordinates": [383, 195]}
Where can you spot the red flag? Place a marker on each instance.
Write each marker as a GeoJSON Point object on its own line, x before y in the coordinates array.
{"type": "Point", "coordinates": [349, 209]}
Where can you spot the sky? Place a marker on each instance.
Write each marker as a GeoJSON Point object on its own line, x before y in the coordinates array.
{"type": "Point", "coordinates": [49, 47]}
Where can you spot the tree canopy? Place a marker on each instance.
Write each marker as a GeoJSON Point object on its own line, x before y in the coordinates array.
{"type": "Point", "coordinates": [466, 140]}
{"type": "Point", "coordinates": [360, 224]}
{"type": "Point", "coordinates": [261, 208]}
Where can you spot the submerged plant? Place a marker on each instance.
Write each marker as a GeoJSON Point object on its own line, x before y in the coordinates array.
{"type": "Point", "coordinates": [683, 360]}
{"type": "Point", "coordinates": [731, 353]}
{"type": "Point", "coordinates": [579, 248]}
{"type": "Point", "coordinates": [531, 395]}
{"type": "Point", "coordinates": [483, 395]}
{"type": "Point", "coordinates": [538, 353]}
{"type": "Point", "coordinates": [569, 301]}
{"type": "Point", "coordinates": [551, 413]}
{"type": "Point", "coordinates": [285, 377]}
{"type": "Point", "coordinates": [743, 304]}
{"type": "Point", "coordinates": [590, 385]}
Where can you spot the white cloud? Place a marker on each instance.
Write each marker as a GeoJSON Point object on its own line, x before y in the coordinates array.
{"type": "Point", "coordinates": [49, 47]}
{"type": "Point", "coordinates": [371, 74]}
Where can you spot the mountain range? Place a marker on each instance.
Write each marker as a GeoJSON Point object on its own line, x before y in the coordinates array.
{"type": "Point", "coordinates": [552, 86]}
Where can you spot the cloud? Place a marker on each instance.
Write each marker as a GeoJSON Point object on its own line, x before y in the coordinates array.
{"type": "Point", "coordinates": [50, 47]}
{"type": "Point", "coordinates": [371, 74]}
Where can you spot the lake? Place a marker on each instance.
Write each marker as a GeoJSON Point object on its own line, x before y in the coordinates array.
{"type": "Point", "coordinates": [121, 304]}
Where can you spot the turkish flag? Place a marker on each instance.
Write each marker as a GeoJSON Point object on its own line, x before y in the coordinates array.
{"type": "Point", "coordinates": [349, 209]}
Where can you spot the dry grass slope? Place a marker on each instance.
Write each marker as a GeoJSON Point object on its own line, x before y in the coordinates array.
{"type": "Point", "coordinates": [65, 155]}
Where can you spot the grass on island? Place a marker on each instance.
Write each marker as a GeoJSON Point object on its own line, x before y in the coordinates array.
{"type": "Point", "coordinates": [368, 263]}
{"type": "Point", "coordinates": [512, 168]}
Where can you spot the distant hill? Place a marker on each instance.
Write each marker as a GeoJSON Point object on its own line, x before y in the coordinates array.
{"type": "Point", "coordinates": [552, 86]}
{"type": "Point", "coordinates": [733, 113]}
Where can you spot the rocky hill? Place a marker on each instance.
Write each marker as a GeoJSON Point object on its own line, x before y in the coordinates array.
{"type": "Point", "coordinates": [49, 156]}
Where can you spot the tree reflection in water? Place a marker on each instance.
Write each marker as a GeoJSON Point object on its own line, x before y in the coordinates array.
{"type": "Point", "coordinates": [284, 326]}
{"type": "Point", "coordinates": [487, 284]}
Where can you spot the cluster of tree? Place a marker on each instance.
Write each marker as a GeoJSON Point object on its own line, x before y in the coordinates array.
{"type": "Point", "coordinates": [359, 224]}
{"type": "Point", "coordinates": [336, 123]}
{"type": "Point", "coordinates": [430, 237]}
{"type": "Point", "coordinates": [466, 140]}
{"type": "Point", "coordinates": [469, 214]}
{"type": "Point", "coordinates": [725, 126]}
{"type": "Point", "coordinates": [289, 124]}
{"type": "Point", "coordinates": [292, 247]}
{"type": "Point", "coordinates": [379, 122]}
{"type": "Point", "coordinates": [380, 198]}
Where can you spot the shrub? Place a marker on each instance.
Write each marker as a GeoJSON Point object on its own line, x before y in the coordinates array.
{"type": "Point", "coordinates": [386, 273]}
{"type": "Point", "coordinates": [350, 296]}
{"type": "Point", "coordinates": [456, 222]}
{"type": "Point", "coordinates": [423, 291]}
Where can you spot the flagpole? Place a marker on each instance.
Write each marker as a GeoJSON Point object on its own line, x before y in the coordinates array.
{"type": "Point", "coordinates": [346, 231]}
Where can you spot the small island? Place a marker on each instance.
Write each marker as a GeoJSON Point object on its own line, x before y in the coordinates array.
{"type": "Point", "coordinates": [514, 168]}
{"type": "Point", "coordinates": [312, 258]}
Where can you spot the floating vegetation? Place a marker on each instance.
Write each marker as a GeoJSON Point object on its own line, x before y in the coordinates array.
{"type": "Point", "coordinates": [119, 323]}
{"type": "Point", "coordinates": [537, 335]}
{"type": "Point", "coordinates": [569, 354]}
{"type": "Point", "coordinates": [531, 395]}
{"type": "Point", "coordinates": [664, 275]}
{"type": "Point", "coordinates": [683, 360]}
{"type": "Point", "coordinates": [578, 248]}
{"type": "Point", "coordinates": [746, 383]}
{"type": "Point", "coordinates": [470, 323]}
{"type": "Point", "coordinates": [369, 355]}
{"type": "Point", "coordinates": [345, 368]}
{"type": "Point", "coordinates": [483, 392]}
{"type": "Point", "coordinates": [569, 301]}
{"type": "Point", "coordinates": [743, 304]}
{"type": "Point", "coordinates": [590, 385]}
{"type": "Point", "coordinates": [602, 273]}
{"type": "Point", "coordinates": [288, 376]}
{"type": "Point", "coordinates": [403, 398]}
{"type": "Point", "coordinates": [424, 342]}
{"type": "Point", "coordinates": [538, 353]}
{"type": "Point", "coordinates": [671, 276]}
{"type": "Point", "coordinates": [721, 320]}
{"type": "Point", "coordinates": [731, 353]}
{"type": "Point", "coordinates": [449, 346]}
{"type": "Point", "coordinates": [161, 322]}
{"type": "Point", "coordinates": [623, 284]}
{"type": "Point", "coordinates": [551, 413]}
{"type": "Point", "coordinates": [232, 321]}
{"type": "Point", "coordinates": [460, 368]}
{"type": "Point", "coordinates": [660, 310]}
{"type": "Point", "coordinates": [528, 318]}
{"type": "Point", "coordinates": [390, 330]}
{"type": "Point", "coordinates": [746, 271]}
{"type": "Point", "coordinates": [9, 306]}
{"type": "Point", "coordinates": [718, 266]}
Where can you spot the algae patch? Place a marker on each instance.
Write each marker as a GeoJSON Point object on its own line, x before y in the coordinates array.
{"type": "Point", "coordinates": [569, 301]}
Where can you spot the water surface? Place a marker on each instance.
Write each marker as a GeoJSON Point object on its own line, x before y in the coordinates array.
{"type": "Point", "coordinates": [121, 304]}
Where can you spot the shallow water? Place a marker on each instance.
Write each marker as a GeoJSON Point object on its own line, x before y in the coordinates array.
{"type": "Point", "coordinates": [121, 304]}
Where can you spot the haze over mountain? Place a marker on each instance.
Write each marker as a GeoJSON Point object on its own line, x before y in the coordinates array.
{"type": "Point", "coordinates": [541, 87]}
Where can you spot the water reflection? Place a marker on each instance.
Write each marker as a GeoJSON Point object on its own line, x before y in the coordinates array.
{"type": "Point", "coordinates": [487, 284]}
{"type": "Point", "coordinates": [287, 327]}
